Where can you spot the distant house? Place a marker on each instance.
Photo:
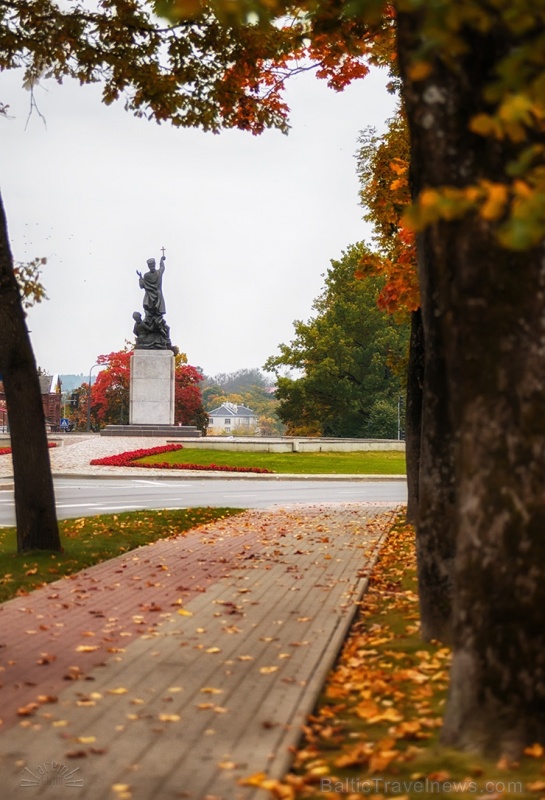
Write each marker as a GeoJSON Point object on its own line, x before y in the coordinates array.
{"type": "Point", "coordinates": [231, 418]}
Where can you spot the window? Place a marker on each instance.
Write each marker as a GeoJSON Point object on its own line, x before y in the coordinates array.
{"type": "Point", "coordinates": [228, 421]}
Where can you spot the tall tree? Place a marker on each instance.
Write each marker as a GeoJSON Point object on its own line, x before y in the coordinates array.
{"type": "Point", "coordinates": [383, 166]}
{"type": "Point", "coordinates": [475, 99]}
{"type": "Point", "coordinates": [35, 512]}
{"type": "Point", "coordinates": [351, 354]}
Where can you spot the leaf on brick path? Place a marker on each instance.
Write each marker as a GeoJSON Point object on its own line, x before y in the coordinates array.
{"type": "Point", "coordinates": [253, 780]}
{"type": "Point", "coordinates": [227, 764]}
{"type": "Point", "coordinates": [46, 658]}
{"type": "Point", "coordinates": [174, 689]}
{"type": "Point", "coordinates": [76, 754]}
{"type": "Point", "coordinates": [169, 717]}
{"type": "Point", "coordinates": [268, 670]}
{"type": "Point", "coordinates": [213, 650]}
{"type": "Point", "coordinates": [87, 648]}
{"type": "Point", "coordinates": [118, 690]}
{"type": "Point", "coordinates": [123, 790]}
{"type": "Point", "coordinates": [211, 690]}
{"type": "Point", "coordinates": [184, 612]}
{"type": "Point", "coordinates": [48, 698]}
{"type": "Point", "coordinates": [85, 739]}
{"type": "Point", "coordinates": [85, 703]}
{"type": "Point", "coordinates": [220, 709]}
{"type": "Point", "coordinates": [304, 619]}
{"type": "Point", "coordinates": [245, 658]}
{"type": "Point", "coordinates": [28, 710]}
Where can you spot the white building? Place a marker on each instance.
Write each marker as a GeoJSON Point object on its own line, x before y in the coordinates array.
{"type": "Point", "coordinates": [232, 419]}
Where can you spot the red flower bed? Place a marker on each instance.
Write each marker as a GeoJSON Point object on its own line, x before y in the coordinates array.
{"type": "Point", "coordinates": [130, 458]}
{"type": "Point", "coordinates": [126, 459]}
{"type": "Point", "coordinates": [5, 451]}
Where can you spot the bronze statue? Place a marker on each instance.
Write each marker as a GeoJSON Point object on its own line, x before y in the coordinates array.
{"type": "Point", "coordinates": [152, 332]}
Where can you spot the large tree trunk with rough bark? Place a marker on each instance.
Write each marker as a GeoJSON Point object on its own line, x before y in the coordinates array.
{"type": "Point", "coordinates": [34, 497]}
{"type": "Point", "coordinates": [485, 315]}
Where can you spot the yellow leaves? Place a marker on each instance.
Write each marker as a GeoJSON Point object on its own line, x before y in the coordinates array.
{"type": "Point", "coordinates": [118, 690]}
{"type": "Point", "coordinates": [267, 670]}
{"type": "Point", "coordinates": [536, 786]}
{"type": "Point", "coordinates": [535, 751]}
{"type": "Point", "coordinates": [277, 789]}
{"type": "Point", "coordinates": [122, 791]}
{"type": "Point", "coordinates": [371, 712]}
{"type": "Point", "coordinates": [184, 612]}
{"type": "Point", "coordinates": [516, 114]}
{"type": "Point", "coordinates": [211, 690]}
{"type": "Point", "coordinates": [87, 648]}
{"type": "Point", "coordinates": [419, 70]}
{"type": "Point", "coordinates": [169, 717]}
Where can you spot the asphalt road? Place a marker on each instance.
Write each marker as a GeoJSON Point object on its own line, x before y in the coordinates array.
{"type": "Point", "coordinates": [79, 497]}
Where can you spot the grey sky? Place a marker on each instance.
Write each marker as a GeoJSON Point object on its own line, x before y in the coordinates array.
{"type": "Point", "coordinates": [249, 223]}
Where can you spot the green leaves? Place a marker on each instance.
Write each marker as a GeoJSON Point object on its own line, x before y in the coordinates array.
{"type": "Point", "coordinates": [351, 354]}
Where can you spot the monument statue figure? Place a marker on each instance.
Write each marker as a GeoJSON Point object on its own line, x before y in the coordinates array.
{"type": "Point", "coordinates": [152, 332]}
{"type": "Point", "coordinates": [152, 283]}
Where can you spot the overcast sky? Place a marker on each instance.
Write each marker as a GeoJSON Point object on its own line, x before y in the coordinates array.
{"type": "Point", "coordinates": [249, 223]}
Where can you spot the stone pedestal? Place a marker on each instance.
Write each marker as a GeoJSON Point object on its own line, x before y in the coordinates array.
{"type": "Point", "coordinates": [152, 388]}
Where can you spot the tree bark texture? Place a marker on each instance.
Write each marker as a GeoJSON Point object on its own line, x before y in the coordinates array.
{"type": "Point", "coordinates": [413, 416]}
{"type": "Point", "coordinates": [37, 526]}
{"type": "Point", "coordinates": [484, 313]}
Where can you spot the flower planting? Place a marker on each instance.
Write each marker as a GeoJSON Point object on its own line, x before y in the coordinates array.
{"type": "Point", "coordinates": [133, 458]}
{"type": "Point", "coordinates": [5, 451]}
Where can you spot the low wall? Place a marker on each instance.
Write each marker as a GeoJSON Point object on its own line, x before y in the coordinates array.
{"type": "Point", "coordinates": [289, 444]}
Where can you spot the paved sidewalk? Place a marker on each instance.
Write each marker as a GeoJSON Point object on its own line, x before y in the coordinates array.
{"type": "Point", "coordinates": [179, 668]}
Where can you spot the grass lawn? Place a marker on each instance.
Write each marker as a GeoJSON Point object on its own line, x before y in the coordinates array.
{"type": "Point", "coordinates": [90, 540]}
{"type": "Point", "coordinates": [383, 462]}
{"type": "Point", "coordinates": [375, 731]}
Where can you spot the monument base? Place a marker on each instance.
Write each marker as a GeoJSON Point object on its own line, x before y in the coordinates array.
{"type": "Point", "coordinates": [163, 431]}
{"type": "Point", "coordinates": [152, 388]}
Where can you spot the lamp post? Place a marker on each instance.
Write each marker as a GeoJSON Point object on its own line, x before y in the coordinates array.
{"type": "Point", "coordinates": [89, 399]}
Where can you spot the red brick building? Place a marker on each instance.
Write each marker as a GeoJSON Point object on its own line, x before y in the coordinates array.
{"type": "Point", "coordinates": [50, 386]}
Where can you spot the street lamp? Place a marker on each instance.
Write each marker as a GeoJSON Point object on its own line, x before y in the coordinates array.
{"type": "Point", "coordinates": [89, 399]}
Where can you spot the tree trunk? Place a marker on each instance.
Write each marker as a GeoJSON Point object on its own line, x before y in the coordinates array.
{"type": "Point", "coordinates": [486, 319]}
{"type": "Point", "coordinates": [34, 497]}
{"type": "Point", "coordinates": [413, 416]}
{"type": "Point", "coordinates": [430, 476]}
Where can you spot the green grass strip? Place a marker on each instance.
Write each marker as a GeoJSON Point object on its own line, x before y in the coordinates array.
{"type": "Point", "coordinates": [383, 462]}
{"type": "Point", "coordinates": [91, 540]}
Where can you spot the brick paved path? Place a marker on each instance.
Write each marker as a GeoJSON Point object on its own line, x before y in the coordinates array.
{"type": "Point", "coordinates": [129, 698]}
